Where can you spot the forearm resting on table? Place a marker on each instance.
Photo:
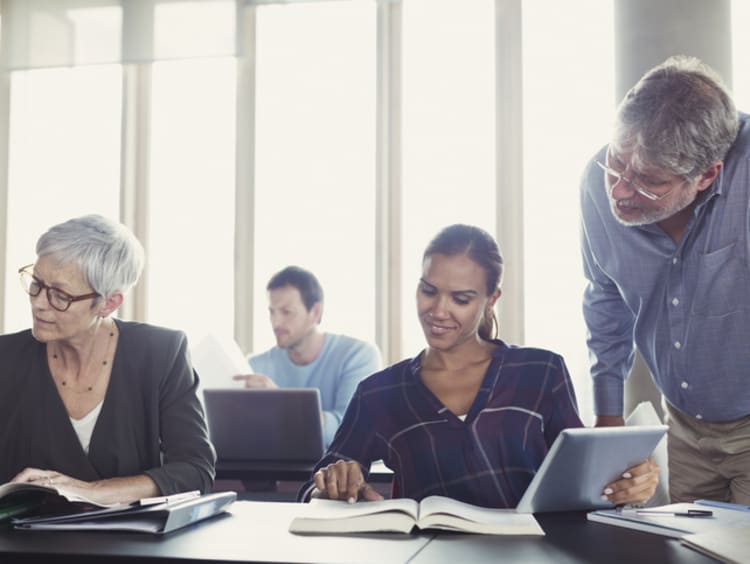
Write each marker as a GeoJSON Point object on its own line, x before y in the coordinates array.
{"type": "Point", "coordinates": [116, 490]}
{"type": "Point", "coordinates": [108, 491]}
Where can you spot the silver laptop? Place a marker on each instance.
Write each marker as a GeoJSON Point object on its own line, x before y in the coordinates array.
{"type": "Point", "coordinates": [263, 425]}
{"type": "Point", "coordinates": [582, 461]}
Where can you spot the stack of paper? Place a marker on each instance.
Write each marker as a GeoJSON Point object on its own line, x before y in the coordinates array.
{"type": "Point", "coordinates": [728, 544]}
{"type": "Point", "coordinates": [674, 520]}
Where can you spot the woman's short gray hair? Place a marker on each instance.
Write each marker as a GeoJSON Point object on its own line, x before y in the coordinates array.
{"type": "Point", "coordinates": [679, 118]}
{"type": "Point", "coordinates": [108, 254]}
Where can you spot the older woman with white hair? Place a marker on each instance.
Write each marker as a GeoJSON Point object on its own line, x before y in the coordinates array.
{"type": "Point", "coordinates": [104, 407]}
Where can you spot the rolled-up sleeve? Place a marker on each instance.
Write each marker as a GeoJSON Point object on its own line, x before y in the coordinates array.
{"type": "Point", "coordinates": [609, 321]}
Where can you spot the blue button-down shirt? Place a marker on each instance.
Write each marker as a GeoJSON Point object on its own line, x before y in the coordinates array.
{"type": "Point", "coordinates": [685, 306]}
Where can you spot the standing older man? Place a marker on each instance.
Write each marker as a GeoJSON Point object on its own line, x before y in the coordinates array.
{"type": "Point", "coordinates": [666, 251]}
{"type": "Point", "coordinates": [304, 355]}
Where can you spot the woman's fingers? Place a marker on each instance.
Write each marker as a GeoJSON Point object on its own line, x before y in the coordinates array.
{"type": "Point", "coordinates": [340, 480]}
{"type": "Point", "coordinates": [332, 481]}
{"type": "Point", "coordinates": [369, 493]}
{"type": "Point", "coordinates": [36, 475]}
{"type": "Point", "coordinates": [637, 485]}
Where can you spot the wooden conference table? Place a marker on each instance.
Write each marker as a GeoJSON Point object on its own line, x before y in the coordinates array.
{"type": "Point", "coordinates": [258, 532]}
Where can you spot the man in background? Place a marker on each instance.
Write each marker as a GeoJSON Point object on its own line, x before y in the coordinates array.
{"type": "Point", "coordinates": [666, 249]}
{"type": "Point", "coordinates": [304, 355]}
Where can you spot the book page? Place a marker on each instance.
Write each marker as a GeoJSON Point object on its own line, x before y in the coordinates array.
{"type": "Point", "coordinates": [334, 509]}
{"type": "Point", "coordinates": [34, 489]}
{"type": "Point", "coordinates": [322, 516]}
{"type": "Point", "coordinates": [440, 512]}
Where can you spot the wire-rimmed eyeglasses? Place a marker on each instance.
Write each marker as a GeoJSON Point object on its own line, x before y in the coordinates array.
{"type": "Point", "coordinates": [615, 176]}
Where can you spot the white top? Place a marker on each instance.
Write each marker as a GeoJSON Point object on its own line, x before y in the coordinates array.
{"type": "Point", "coordinates": [84, 427]}
{"type": "Point", "coordinates": [462, 417]}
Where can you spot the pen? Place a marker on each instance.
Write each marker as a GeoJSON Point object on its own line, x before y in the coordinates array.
{"type": "Point", "coordinates": [688, 513]}
{"type": "Point", "coordinates": [168, 498]}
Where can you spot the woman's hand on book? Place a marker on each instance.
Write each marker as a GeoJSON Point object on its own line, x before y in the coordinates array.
{"type": "Point", "coordinates": [343, 480]}
{"type": "Point", "coordinates": [105, 492]}
{"type": "Point", "coordinates": [40, 477]}
{"type": "Point", "coordinates": [637, 485]}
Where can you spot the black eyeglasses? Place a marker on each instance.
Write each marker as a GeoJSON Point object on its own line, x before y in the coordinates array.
{"type": "Point", "coordinates": [58, 299]}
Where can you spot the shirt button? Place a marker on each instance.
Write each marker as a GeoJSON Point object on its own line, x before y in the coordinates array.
{"type": "Point", "coordinates": [677, 344]}
{"type": "Point", "coordinates": [675, 301]}
{"type": "Point", "coordinates": [684, 385]}
{"type": "Point", "coordinates": [674, 260]}
{"type": "Point", "coordinates": [699, 416]}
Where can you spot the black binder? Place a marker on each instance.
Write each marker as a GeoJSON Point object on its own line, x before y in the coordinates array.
{"type": "Point", "coordinates": [158, 518]}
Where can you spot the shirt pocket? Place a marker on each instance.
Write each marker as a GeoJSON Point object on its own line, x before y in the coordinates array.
{"type": "Point", "coordinates": [722, 287]}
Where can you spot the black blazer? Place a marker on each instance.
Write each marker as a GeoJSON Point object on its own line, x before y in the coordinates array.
{"type": "Point", "coordinates": [151, 420]}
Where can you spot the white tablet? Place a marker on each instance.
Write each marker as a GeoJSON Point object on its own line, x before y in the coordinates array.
{"type": "Point", "coordinates": [582, 461]}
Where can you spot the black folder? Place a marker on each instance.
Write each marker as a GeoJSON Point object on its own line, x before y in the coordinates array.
{"type": "Point", "coordinates": [158, 518]}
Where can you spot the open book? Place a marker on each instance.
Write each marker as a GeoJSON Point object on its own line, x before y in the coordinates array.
{"type": "Point", "coordinates": [402, 515]}
{"type": "Point", "coordinates": [23, 498]}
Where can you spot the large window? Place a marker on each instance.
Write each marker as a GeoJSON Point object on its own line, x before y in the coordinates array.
{"type": "Point", "coordinates": [190, 235]}
{"type": "Point", "coordinates": [63, 161]}
{"type": "Point", "coordinates": [311, 77]}
{"type": "Point", "coordinates": [568, 110]}
{"type": "Point", "coordinates": [315, 157]}
{"type": "Point", "coordinates": [448, 133]}
{"type": "Point", "coordinates": [741, 54]}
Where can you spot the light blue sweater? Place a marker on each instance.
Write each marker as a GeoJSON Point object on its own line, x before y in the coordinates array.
{"type": "Point", "coordinates": [341, 365]}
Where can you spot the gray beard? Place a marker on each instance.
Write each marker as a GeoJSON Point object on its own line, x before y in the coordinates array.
{"type": "Point", "coordinates": [651, 216]}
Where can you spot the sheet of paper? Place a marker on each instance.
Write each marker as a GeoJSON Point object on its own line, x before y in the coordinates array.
{"type": "Point", "coordinates": [217, 359]}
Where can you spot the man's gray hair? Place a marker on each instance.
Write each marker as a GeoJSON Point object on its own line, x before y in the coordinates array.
{"type": "Point", "coordinates": [679, 118]}
{"type": "Point", "coordinates": [108, 254]}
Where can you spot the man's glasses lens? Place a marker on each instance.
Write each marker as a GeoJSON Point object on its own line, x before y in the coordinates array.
{"type": "Point", "coordinates": [613, 177]}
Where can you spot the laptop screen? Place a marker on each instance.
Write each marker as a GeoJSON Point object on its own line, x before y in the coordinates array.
{"type": "Point", "coordinates": [263, 425]}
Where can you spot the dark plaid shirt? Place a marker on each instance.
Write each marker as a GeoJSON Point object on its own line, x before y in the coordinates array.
{"type": "Point", "coordinates": [525, 400]}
